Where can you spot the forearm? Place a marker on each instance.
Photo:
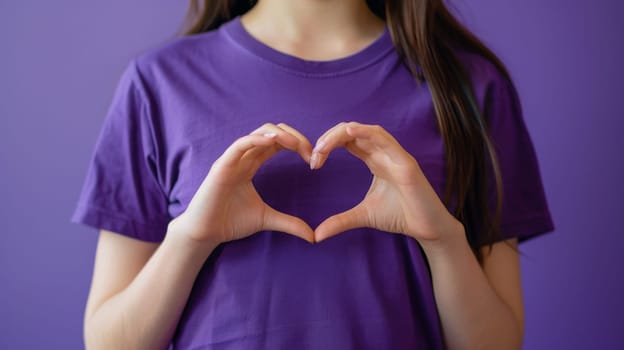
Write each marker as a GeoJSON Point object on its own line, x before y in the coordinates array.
{"type": "Point", "coordinates": [473, 316]}
{"type": "Point", "coordinates": [145, 314]}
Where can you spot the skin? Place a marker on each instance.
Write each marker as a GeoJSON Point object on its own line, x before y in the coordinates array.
{"type": "Point", "coordinates": [139, 289]}
{"type": "Point", "coordinates": [480, 308]}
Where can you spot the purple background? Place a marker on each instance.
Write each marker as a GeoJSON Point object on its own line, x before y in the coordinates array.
{"type": "Point", "coordinates": [60, 62]}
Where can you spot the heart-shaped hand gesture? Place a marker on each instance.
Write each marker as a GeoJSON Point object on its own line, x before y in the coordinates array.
{"type": "Point", "coordinates": [227, 206]}
{"type": "Point", "coordinates": [400, 198]}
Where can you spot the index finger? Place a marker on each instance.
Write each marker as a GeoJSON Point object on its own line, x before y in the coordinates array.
{"type": "Point", "coordinates": [359, 139]}
{"type": "Point", "coordinates": [286, 137]}
{"type": "Point", "coordinates": [233, 154]}
{"type": "Point", "coordinates": [304, 147]}
{"type": "Point", "coordinates": [333, 138]}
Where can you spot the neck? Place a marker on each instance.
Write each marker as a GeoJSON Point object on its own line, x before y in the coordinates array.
{"type": "Point", "coordinates": [314, 28]}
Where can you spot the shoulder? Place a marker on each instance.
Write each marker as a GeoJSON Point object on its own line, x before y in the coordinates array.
{"type": "Point", "coordinates": [482, 70]}
{"type": "Point", "coordinates": [489, 82]}
{"type": "Point", "coordinates": [174, 54]}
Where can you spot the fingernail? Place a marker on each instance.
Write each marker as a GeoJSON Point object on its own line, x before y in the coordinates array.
{"type": "Point", "coordinates": [270, 134]}
{"type": "Point", "coordinates": [313, 160]}
{"type": "Point", "coordinates": [319, 146]}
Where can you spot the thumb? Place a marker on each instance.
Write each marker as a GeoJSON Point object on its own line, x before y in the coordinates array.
{"type": "Point", "coordinates": [352, 218]}
{"type": "Point", "coordinates": [277, 221]}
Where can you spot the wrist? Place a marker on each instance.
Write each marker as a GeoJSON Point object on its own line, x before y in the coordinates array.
{"type": "Point", "coordinates": [180, 234]}
{"type": "Point", "coordinates": [451, 238]}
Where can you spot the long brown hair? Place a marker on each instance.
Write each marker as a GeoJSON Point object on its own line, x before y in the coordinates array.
{"type": "Point", "coordinates": [425, 34]}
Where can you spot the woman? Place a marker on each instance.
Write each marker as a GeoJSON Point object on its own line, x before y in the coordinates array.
{"type": "Point", "coordinates": [274, 179]}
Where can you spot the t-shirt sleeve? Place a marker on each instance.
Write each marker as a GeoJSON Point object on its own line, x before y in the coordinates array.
{"type": "Point", "coordinates": [525, 211]}
{"type": "Point", "coordinates": [121, 191]}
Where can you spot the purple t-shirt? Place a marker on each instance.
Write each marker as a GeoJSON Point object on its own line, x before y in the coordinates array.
{"type": "Point", "coordinates": [178, 106]}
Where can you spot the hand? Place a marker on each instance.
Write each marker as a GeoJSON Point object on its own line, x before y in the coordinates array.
{"type": "Point", "coordinates": [399, 200]}
{"type": "Point", "coordinates": [227, 207]}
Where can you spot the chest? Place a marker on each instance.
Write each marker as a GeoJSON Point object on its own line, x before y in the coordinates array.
{"type": "Point", "coordinates": [202, 121]}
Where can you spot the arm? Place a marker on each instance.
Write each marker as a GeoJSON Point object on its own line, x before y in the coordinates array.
{"type": "Point", "coordinates": [139, 289]}
{"type": "Point", "coordinates": [137, 297]}
{"type": "Point", "coordinates": [479, 308]}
